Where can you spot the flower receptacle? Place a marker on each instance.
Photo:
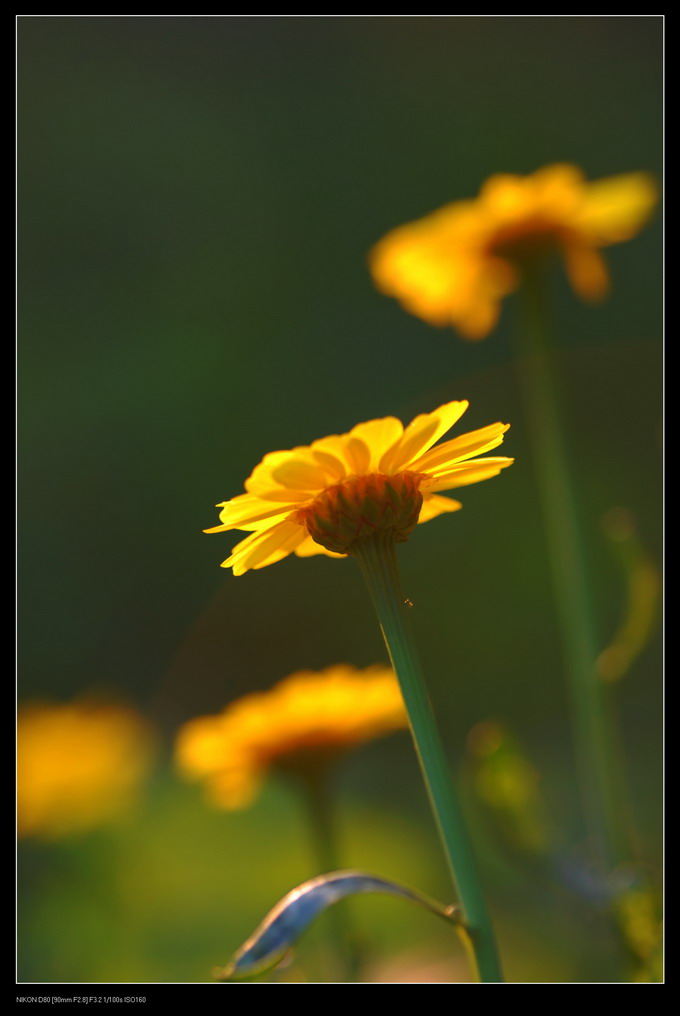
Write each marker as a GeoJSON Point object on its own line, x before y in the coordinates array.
{"type": "Point", "coordinates": [362, 506]}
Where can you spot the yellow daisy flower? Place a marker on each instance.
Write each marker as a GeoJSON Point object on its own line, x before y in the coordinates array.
{"type": "Point", "coordinates": [380, 477]}
{"type": "Point", "coordinates": [453, 267]}
{"type": "Point", "coordinates": [79, 765]}
{"type": "Point", "coordinates": [303, 723]}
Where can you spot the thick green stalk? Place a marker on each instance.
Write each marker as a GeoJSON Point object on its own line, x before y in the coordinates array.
{"type": "Point", "coordinates": [378, 562]}
{"type": "Point", "coordinates": [592, 727]}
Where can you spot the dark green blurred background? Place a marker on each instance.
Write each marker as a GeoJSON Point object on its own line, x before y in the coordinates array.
{"type": "Point", "coordinates": [197, 199]}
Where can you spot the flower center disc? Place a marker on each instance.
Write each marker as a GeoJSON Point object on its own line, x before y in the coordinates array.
{"type": "Point", "coordinates": [362, 506]}
{"type": "Point", "coordinates": [521, 241]}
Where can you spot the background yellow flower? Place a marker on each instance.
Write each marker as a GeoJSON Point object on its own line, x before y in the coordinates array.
{"type": "Point", "coordinates": [453, 267]}
{"type": "Point", "coordinates": [79, 765]}
{"type": "Point", "coordinates": [343, 488]}
{"type": "Point", "coordinates": [301, 724]}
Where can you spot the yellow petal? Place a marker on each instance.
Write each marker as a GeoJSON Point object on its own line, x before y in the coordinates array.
{"type": "Point", "coordinates": [587, 271]}
{"type": "Point", "coordinates": [244, 510]}
{"type": "Point", "coordinates": [200, 746]}
{"type": "Point", "coordinates": [332, 464]}
{"type": "Point", "coordinates": [458, 448]}
{"type": "Point", "coordinates": [348, 450]}
{"type": "Point", "coordinates": [378, 436]}
{"type": "Point", "coordinates": [430, 265]}
{"type": "Point", "coordinates": [434, 505]}
{"type": "Point", "coordinates": [557, 190]}
{"type": "Point", "coordinates": [558, 176]}
{"type": "Point", "coordinates": [240, 549]}
{"type": "Point", "coordinates": [357, 454]}
{"type": "Point", "coordinates": [505, 196]}
{"type": "Point", "coordinates": [297, 474]}
{"type": "Point", "coordinates": [466, 473]}
{"type": "Point", "coordinates": [549, 195]}
{"type": "Point", "coordinates": [479, 319]}
{"type": "Point", "coordinates": [263, 483]}
{"type": "Point", "coordinates": [261, 524]}
{"type": "Point", "coordinates": [235, 787]}
{"type": "Point", "coordinates": [616, 208]}
{"type": "Point", "coordinates": [272, 543]}
{"type": "Point", "coordinates": [286, 495]}
{"type": "Point", "coordinates": [284, 549]}
{"type": "Point", "coordinates": [421, 434]}
{"type": "Point", "coordinates": [309, 548]}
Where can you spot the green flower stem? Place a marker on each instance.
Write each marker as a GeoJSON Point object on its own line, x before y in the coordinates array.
{"type": "Point", "coordinates": [593, 733]}
{"type": "Point", "coordinates": [316, 790]}
{"type": "Point", "coordinates": [318, 798]}
{"type": "Point", "coordinates": [378, 562]}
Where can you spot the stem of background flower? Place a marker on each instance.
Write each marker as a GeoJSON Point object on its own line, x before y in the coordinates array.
{"type": "Point", "coordinates": [317, 794]}
{"type": "Point", "coordinates": [593, 730]}
{"type": "Point", "coordinates": [378, 562]}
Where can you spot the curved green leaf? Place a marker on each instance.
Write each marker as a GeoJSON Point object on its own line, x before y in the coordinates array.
{"type": "Point", "coordinates": [294, 913]}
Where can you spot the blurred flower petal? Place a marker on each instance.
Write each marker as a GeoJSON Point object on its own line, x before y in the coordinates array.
{"type": "Point", "coordinates": [80, 765]}
{"type": "Point", "coordinates": [304, 722]}
{"type": "Point", "coordinates": [455, 266]}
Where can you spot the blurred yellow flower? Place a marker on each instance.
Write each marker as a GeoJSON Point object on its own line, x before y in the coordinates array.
{"type": "Point", "coordinates": [453, 267]}
{"type": "Point", "coordinates": [380, 477]}
{"type": "Point", "coordinates": [299, 725]}
{"type": "Point", "coordinates": [79, 765]}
